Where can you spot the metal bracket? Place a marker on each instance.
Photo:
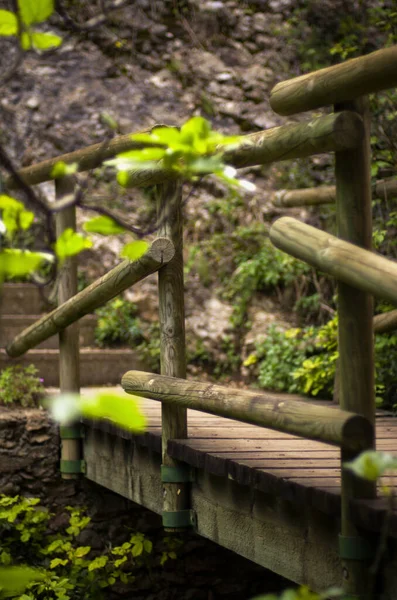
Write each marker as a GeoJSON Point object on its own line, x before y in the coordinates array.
{"type": "Point", "coordinates": [179, 519]}
{"type": "Point", "coordinates": [181, 473]}
{"type": "Point", "coordinates": [71, 432]}
{"type": "Point", "coordinates": [355, 548]}
{"type": "Point", "coordinates": [71, 467]}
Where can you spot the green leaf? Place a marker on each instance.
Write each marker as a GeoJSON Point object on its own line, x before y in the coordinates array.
{"type": "Point", "coordinates": [45, 41]}
{"type": "Point", "coordinates": [70, 243]}
{"type": "Point", "coordinates": [121, 409]}
{"type": "Point", "coordinates": [18, 263]}
{"type": "Point", "coordinates": [14, 215]}
{"type": "Point", "coordinates": [103, 225]}
{"type": "Point", "coordinates": [14, 580]}
{"type": "Point", "coordinates": [60, 169]}
{"type": "Point", "coordinates": [98, 563]}
{"type": "Point", "coordinates": [137, 549]}
{"type": "Point", "coordinates": [35, 11]}
{"type": "Point", "coordinates": [371, 464]}
{"type": "Point", "coordinates": [134, 250]}
{"type": "Point", "coordinates": [82, 551]}
{"type": "Point", "coordinates": [148, 546]}
{"type": "Point", "coordinates": [8, 23]}
{"type": "Point", "coordinates": [56, 562]}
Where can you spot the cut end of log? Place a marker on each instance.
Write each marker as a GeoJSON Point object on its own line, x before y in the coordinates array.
{"type": "Point", "coordinates": [162, 250]}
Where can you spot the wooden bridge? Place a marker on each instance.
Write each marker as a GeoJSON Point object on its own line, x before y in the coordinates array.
{"type": "Point", "coordinates": [256, 472]}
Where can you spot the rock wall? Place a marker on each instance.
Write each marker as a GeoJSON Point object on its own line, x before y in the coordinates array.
{"type": "Point", "coordinates": [29, 455]}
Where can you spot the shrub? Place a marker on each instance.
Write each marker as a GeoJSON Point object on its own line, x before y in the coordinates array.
{"type": "Point", "coordinates": [118, 324]}
{"type": "Point", "coordinates": [21, 386]}
{"type": "Point", "coordinates": [65, 569]}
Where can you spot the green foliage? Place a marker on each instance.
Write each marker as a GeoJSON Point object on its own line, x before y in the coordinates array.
{"type": "Point", "coordinates": [251, 264]}
{"type": "Point", "coordinates": [103, 225]}
{"type": "Point", "coordinates": [118, 324]}
{"type": "Point", "coordinates": [70, 243]}
{"type": "Point", "coordinates": [31, 13]}
{"type": "Point", "coordinates": [191, 151]}
{"type": "Point", "coordinates": [277, 357]}
{"type": "Point", "coordinates": [304, 360]}
{"type": "Point", "coordinates": [21, 386]}
{"type": "Point", "coordinates": [134, 250]}
{"type": "Point", "coordinates": [372, 464]}
{"type": "Point", "coordinates": [304, 593]}
{"type": "Point", "coordinates": [60, 568]}
{"type": "Point", "coordinates": [121, 409]}
{"type": "Point", "coordinates": [298, 360]}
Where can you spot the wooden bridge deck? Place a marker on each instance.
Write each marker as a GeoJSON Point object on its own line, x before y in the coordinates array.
{"type": "Point", "coordinates": [253, 486]}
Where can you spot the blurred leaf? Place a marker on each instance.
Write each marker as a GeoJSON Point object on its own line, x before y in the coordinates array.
{"type": "Point", "coordinates": [60, 169]}
{"type": "Point", "coordinates": [134, 250]}
{"type": "Point", "coordinates": [35, 11]}
{"type": "Point", "coordinates": [14, 580]}
{"type": "Point", "coordinates": [371, 464]}
{"type": "Point", "coordinates": [103, 225]}
{"type": "Point", "coordinates": [45, 41]}
{"type": "Point", "coordinates": [18, 263]}
{"type": "Point", "coordinates": [70, 243]}
{"type": "Point", "coordinates": [121, 409]}
{"type": "Point", "coordinates": [8, 23]}
{"type": "Point", "coordinates": [109, 121]}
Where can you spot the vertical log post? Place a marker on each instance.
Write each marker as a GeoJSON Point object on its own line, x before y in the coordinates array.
{"type": "Point", "coordinates": [355, 336]}
{"type": "Point", "coordinates": [69, 367]}
{"type": "Point", "coordinates": [176, 513]}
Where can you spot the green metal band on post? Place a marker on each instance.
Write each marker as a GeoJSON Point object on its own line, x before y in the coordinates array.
{"type": "Point", "coordinates": [72, 467]}
{"type": "Point", "coordinates": [179, 519]}
{"type": "Point", "coordinates": [181, 473]}
{"type": "Point", "coordinates": [355, 548]}
{"type": "Point", "coordinates": [71, 432]}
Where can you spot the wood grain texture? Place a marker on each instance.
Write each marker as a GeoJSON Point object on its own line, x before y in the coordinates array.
{"type": "Point", "coordinates": [349, 80]}
{"type": "Point", "coordinates": [92, 297]}
{"type": "Point", "coordinates": [354, 266]}
{"type": "Point", "coordinates": [69, 360]}
{"type": "Point", "coordinates": [384, 189]}
{"type": "Point", "coordinates": [251, 461]}
{"type": "Point", "coordinates": [355, 329]}
{"type": "Point", "coordinates": [301, 418]}
{"type": "Point", "coordinates": [172, 333]}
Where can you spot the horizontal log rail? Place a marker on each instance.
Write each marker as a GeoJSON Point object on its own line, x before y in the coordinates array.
{"type": "Point", "coordinates": [297, 417]}
{"type": "Point", "coordinates": [349, 80]}
{"type": "Point", "coordinates": [384, 189]}
{"type": "Point", "coordinates": [325, 134]}
{"type": "Point", "coordinates": [385, 322]}
{"type": "Point", "coordinates": [359, 268]}
{"type": "Point", "coordinates": [159, 253]}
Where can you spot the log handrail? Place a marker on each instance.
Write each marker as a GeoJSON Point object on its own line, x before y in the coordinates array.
{"type": "Point", "coordinates": [121, 277]}
{"type": "Point", "coordinates": [340, 83]}
{"type": "Point", "coordinates": [329, 133]}
{"type": "Point", "coordinates": [362, 269]}
{"type": "Point", "coordinates": [298, 417]}
{"type": "Point", "coordinates": [326, 194]}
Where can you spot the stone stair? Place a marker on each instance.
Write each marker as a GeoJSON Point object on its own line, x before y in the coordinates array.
{"type": "Point", "coordinates": [21, 305]}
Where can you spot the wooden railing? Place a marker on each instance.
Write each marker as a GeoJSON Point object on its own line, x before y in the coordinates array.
{"type": "Point", "coordinates": [360, 273]}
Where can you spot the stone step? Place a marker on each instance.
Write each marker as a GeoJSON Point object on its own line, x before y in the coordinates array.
{"type": "Point", "coordinates": [97, 366]}
{"type": "Point", "coordinates": [22, 299]}
{"type": "Point", "coordinates": [11, 325]}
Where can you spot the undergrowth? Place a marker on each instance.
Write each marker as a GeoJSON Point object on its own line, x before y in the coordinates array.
{"type": "Point", "coordinates": [65, 568]}
{"type": "Point", "coordinates": [21, 386]}
{"type": "Point", "coordinates": [303, 361]}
